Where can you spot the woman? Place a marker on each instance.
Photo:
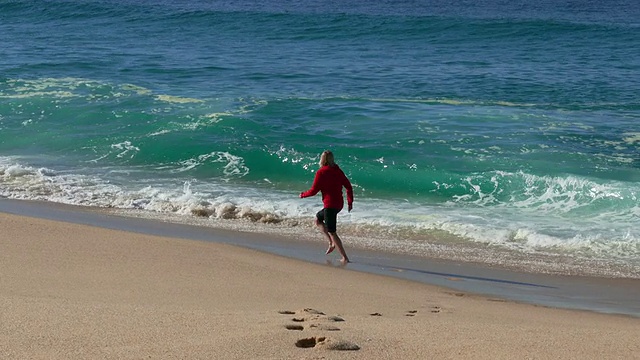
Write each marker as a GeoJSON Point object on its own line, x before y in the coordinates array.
{"type": "Point", "coordinates": [329, 180]}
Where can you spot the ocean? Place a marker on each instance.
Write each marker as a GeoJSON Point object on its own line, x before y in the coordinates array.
{"type": "Point", "coordinates": [505, 133]}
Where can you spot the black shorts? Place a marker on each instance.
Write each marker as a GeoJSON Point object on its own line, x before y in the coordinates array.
{"type": "Point", "coordinates": [329, 217]}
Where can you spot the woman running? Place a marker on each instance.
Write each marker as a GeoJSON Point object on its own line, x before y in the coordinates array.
{"type": "Point", "coordinates": [329, 180]}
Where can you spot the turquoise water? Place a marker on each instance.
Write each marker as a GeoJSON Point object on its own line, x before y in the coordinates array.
{"type": "Point", "coordinates": [469, 129]}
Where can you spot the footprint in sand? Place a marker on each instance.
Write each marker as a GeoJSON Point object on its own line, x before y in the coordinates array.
{"type": "Point", "coordinates": [434, 309]}
{"type": "Point", "coordinates": [313, 311]}
{"type": "Point", "coordinates": [326, 343]}
{"type": "Point", "coordinates": [294, 327]}
{"type": "Point", "coordinates": [320, 321]}
{"type": "Point", "coordinates": [324, 327]}
{"type": "Point", "coordinates": [310, 342]}
{"type": "Point", "coordinates": [310, 315]}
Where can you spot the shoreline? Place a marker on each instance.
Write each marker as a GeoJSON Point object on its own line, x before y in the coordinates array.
{"type": "Point", "coordinates": [73, 291]}
{"type": "Point", "coordinates": [602, 295]}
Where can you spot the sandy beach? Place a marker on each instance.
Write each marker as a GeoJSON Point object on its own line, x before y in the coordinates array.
{"type": "Point", "coordinates": [70, 291]}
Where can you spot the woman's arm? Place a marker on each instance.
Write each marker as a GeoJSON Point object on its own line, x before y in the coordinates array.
{"type": "Point", "coordinates": [347, 185]}
{"type": "Point", "coordinates": [315, 188]}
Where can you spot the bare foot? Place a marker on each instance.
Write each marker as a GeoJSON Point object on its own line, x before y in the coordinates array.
{"type": "Point", "coordinates": [330, 249]}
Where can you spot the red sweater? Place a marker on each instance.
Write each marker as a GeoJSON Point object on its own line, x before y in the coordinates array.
{"type": "Point", "coordinates": [330, 180]}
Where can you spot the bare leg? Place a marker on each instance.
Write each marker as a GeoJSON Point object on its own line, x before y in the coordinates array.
{"type": "Point", "coordinates": [324, 231]}
{"type": "Point", "coordinates": [338, 243]}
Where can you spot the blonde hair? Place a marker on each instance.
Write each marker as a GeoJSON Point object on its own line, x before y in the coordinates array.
{"type": "Point", "coordinates": [326, 158]}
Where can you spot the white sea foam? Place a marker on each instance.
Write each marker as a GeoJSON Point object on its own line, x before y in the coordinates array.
{"type": "Point", "coordinates": [551, 194]}
{"type": "Point", "coordinates": [126, 149]}
{"type": "Point", "coordinates": [137, 89]}
{"type": "Point", "coordinates": [631, 138]}
{"type": "Point", "coordinates": [248, 105]}
{"type": "Point", "coordinates": [195, 123]}
{"type": "Point", "coordinates": [159, 132]}
{"type": "Point", "coordinates": [49, 94]}
{"type": "Point", "coordinates": [290, 155]}
{"type": "Point", "coordinates": [234, 167]}
{"type": "Point", "coordinates": [177, 99]}
{"type": "Point", "coordinates": [217, 117]}
{"type": "Point", "coordinates": [465, 102]}
{"type": "Point", "coordinates": [69, 87]}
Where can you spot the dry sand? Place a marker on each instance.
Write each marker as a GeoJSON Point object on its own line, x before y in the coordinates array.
{"type": "Point", "coordinates": [71, 291]}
